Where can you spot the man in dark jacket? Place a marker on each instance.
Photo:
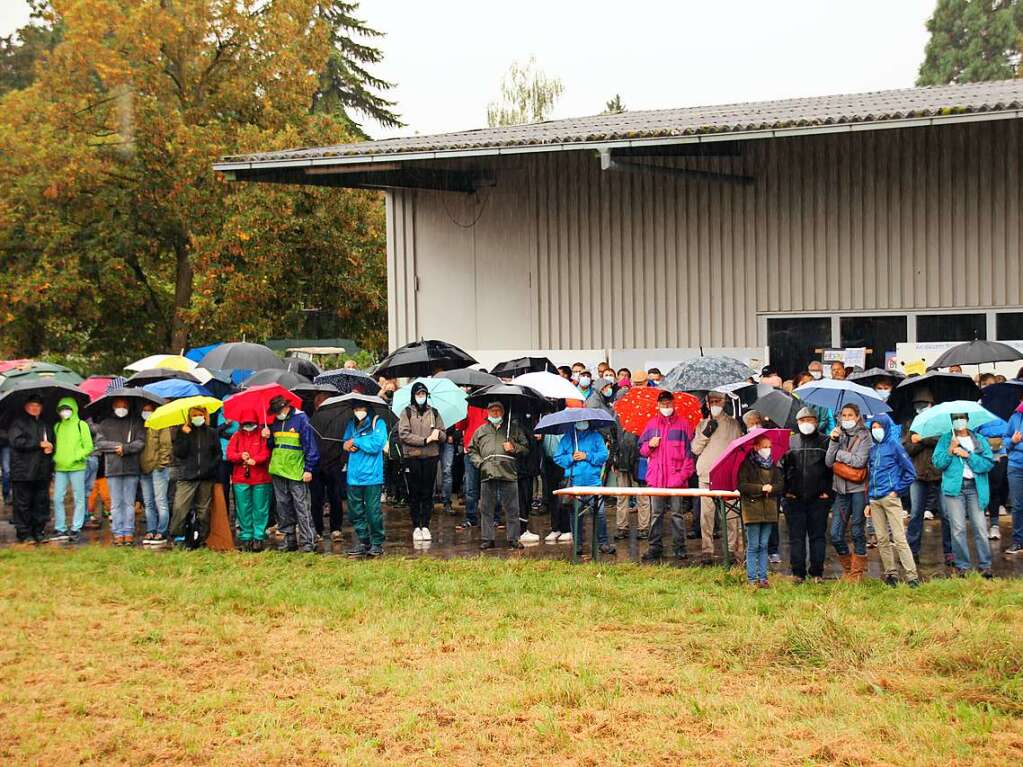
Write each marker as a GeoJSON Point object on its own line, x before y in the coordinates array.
{"type": "Point", "coordinates": [31, 441]}
{"type": "Point", "coordinates": [329, 478]}
{"type": "Point", "coordinates": [808, 483]}
{"type": "Point", "coordinates": [927, 485]}
{"type": "Point", "coordinates": [197, 452]}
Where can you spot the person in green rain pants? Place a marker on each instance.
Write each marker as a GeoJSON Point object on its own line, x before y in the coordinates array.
{"type": "Point", "coordinates": [293, 460]}
{"type": "Point", "coordinates": [364, 441]}
{"type": "Point", "coordinates": [249, 453]}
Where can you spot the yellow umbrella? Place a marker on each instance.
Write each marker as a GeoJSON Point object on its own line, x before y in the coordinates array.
{"type": "Point", "coordinates": [176, 413]}
{"type": "Point", "coordinates": [167, 361]}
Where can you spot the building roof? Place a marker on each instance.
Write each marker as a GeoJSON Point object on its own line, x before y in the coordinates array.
{"type": "Point", "coordinates": [947, 103]}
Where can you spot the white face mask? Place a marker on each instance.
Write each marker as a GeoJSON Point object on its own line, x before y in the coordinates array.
{"type": "Point", "coordinates": [249, 426]}
{"type": "Point", "coordinates": [147, 414]}
{"type": "Point", "coordinates": [716, 410]}
{"type": "Point", "coordinates": [883, 393]}
{"type": "Point", "coordinates": [121, 412]}
{"type": "Point", "coordinates": [807, 427]}
{"type": "Point", "coordinates": [607, 391]}
{"type": "Point", "coordinates": [420, 399]}
{"type": "Point", "coordinates": [495, 419]}
{"type": "Point", "coordinates": [359, 415]}
{"type": "Point", "coordinates": [848, 425]}
{"type": "Point", "coordinates": [198, 420]}
{"type": "Point", "coordinates": [667, 412]}
{"type": "Point", "coordinates": [65, 414]}
{"type": "Point", "coordinates": [960, 424]}
{"type": "Point", "coordinates": [582, 425]}
{"type": "Point", "coordinates": [584, 381]}
{"type": "Point", "coordinates": [816, 374]}
{"type": "Point", "coordinates": [921, 407]}
{"type": "Point", "coordinates": [282, 416]}
{"type": "Point", "coordinates": [877, 434]}
{"type": "Point", "coordinates": [609, 377]}
{"type": "Point", "coordinates": [764, 453]}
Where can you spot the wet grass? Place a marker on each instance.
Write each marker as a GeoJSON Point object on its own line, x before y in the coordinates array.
{"type": "Point", "coordinates": [113, 656]}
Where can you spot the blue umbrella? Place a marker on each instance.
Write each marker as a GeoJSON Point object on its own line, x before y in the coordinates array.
{"type": "Point", "coordinates": [444, 395]}
{"type": "Point", "coordinates": [172, 388]}
{"type": "Point", "coordinates": [936, 421]}
{"type": "Point", "coordinates": [198, 352]}
{"type": "Point", "coordinates": [834, 395]}
{"type": "Point", "coordinates": [564, 421]}
{"type": "Point", "coordinates": [1002, 398]}
{"type": "Point", "coordinates": [346, 379]}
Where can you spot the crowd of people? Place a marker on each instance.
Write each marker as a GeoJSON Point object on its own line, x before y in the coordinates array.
{"type": "Point", "coordinates": [844, 479]}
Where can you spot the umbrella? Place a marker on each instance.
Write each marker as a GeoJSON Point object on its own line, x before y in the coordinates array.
{"type": "Point", "coordinates": [377, 404]}
{"type": "Point", "coordinates": [447, 398]}
{"type": "Point", "coordinates": [639, 405]}
{"type": "Point", "coordinates": [40, 371]}
{"type": "Point", "coordinates": [515, 398]}
{"type": "Point", "coordinates": [474, 379]}
{"type": "Point", "coordinates": [284, 378]}
{"type": "Point", "coordinates": [942, 386]}
{"type": "Point", "coordinates": [1002, 398]}
{"type": "Point", "coordinates": [145, 377]}
{"type": "Point", "coordinates": [257, 398]}
{"type": "Point", "coordinates": [335, 413]}
{"type": "Point", "coordinates": [835, 394]}
{"type": "Point", "coordinates": [302, 366]}
{"type": "Point", "coordinates": [550, 385]}
{"type": "Point", "coordinates": [242, 356]}
{"type": "Point", "coordinates": [218, 382]}
{"type": "Point", "coordinates": [96, 386]}
{"type": "Point", "coordinates": [706, 374]}
{"type": "Point", "coordinates": [564, 421]}
{"type": "Point", "coordinates": [345, 380]}
{"type": "Point", "coordinates": [780, 406]}
{"type": "Point", "coordinates": [977, 353]}
{"type": "Point", "coordinates": [51, 392]}
{"type": "Point", "coordinates": [724, 472]}
{"type": "Point", "coordinates": [937, 420]}
{"type": "Point", "coordinates": [6, 365]}
{"type": "Point", "coordinates": [523, 365]}
{"type": "Point", "coordinates": [174, 389]}
{"type": "Point", "coordinates": [117, 382]}
{"type": "Point", "coordinates": [422, 358]}
{"type": "Point", "coordinates": [176, 413]}
{"type": "Point", "coordinates": [196, 353]}
{"type": "Point", "coordinates": [309, 391]}
{"type": "Point", "coordinates": [871, 376]}
{"type": "Point", "coordinates": [168, 361]}
{"type": "Point", "coordinates": [104, 406]}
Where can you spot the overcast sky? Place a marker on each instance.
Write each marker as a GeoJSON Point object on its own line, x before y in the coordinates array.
{"type": "Point", "coordinates": [447, 56]}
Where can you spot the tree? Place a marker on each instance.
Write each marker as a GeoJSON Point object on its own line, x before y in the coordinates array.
{"type": "Point", "coordinates": [117, 237]}
{"type": "Point", "coordinates": [20, 52]}
{"type": "Point", "coordinates": [614, 106]}
{"type": "Point", "coordinates": [971, 41]}
{"type": "Point", "coordinates": [527, 96]}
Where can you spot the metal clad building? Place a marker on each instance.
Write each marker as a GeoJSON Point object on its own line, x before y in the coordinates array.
{"type": "Point", "coordinates": [847, 220]}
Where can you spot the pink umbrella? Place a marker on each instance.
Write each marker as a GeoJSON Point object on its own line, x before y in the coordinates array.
{"type": "Point", "coordinates": [95, 386]}
{"type": "Point", "coordinates": [6, 365]}
{"type": "Point", "coordinates": [724, 474]}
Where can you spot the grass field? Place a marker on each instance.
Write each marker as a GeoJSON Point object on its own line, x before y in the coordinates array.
{"type": "Point", "coordinates": [111, 656]}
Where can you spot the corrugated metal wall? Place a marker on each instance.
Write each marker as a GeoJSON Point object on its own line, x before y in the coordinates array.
{"type": "Point", "coordinates": [564, 255]}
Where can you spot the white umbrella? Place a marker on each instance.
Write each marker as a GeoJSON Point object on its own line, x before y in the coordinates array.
{"type": "Point", "coordinates": [549, 385]}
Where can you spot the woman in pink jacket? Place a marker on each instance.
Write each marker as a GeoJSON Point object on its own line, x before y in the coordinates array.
{"type": "Point", "coordinates": [666, 444]}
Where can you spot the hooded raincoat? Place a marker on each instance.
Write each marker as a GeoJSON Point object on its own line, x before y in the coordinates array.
{"type": "Point", "coordinates": [890, 467]}
{"type": "Point", "coordinates": [72, 439]}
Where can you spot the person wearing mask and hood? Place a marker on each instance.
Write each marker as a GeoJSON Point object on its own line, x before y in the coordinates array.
{"type": "Point", "coordinates": [761, 484]}
{"type": "Point", "coordinates": [808, 484]}
{"type": "Point", "coordinates": [197, 453]}
{"type": "Point", "coordinates": [31, 443]}
{"type": "Point", "coordinates": [121, 438]}
{"type": "Point", "coordinates": [294, 457]}
{"type": "Point", "coordinates": [889, 474]}
{"type": "Point", "coordinates": [364, 439]}
{"type": "Point", "coordinates": [493, 450]}
{"type": "Point", "coordinates": [155, 463]}
{"type": "Point", "coordinates": [964, 459]}
{"type": "Point", "coordinates": [666, 444]}
{"type": "Point", "coordinates": [847, 456]}
{"type": "Point", "coordinates": [248, 452]}
{"type": "Point", "coordinates": [1013, 441]}
{"type": "Point", "coordinates": [72, 447]}
{"type": "Point", "coordinates": [421, 431]}
{"type": "Point", "coordinates": [927, 484]}
{"type": "Point", "coordinates": [582, 455]}
{"type": "Point", "coordinates": [713, 436]}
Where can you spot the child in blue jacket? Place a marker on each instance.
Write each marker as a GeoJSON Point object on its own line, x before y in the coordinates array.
{"type": "Point", "coordinates": [582, 454]}
{"type": "Point", "coordinates": [890, 472]}
{"type": "Point", "coordinates": [364, 441]}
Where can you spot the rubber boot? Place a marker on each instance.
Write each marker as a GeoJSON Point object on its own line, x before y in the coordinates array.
{"type": "Point", "coordinates": [858, 568]}
{"type": "Point", "coordinates": [846, 561]}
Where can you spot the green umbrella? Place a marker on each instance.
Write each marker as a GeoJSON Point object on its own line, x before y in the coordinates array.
{"type": "Point", "coordinates": [40, 371]}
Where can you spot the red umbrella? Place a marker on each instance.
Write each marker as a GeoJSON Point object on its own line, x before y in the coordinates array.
{"type": "Point", "coordinates": [639, 405]}
{"type": "Point", "coordinates": [240, 406]}
{"type": "Point", "coordinates": [6, 365]}
{"type": "Point", "coordinates": [96, 386]}
{"type": "Point", "coordinates": [724, 474]}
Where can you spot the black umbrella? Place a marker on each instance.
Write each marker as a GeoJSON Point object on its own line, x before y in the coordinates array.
{"type": "Point", "coordinates": [144, 377]}
{"type": "Point", "coordinates": [1002, 398]}
{"type": "Point", "coordinates": [309, 391]}
{"type": "Point", "coordinates": [285, 378]}
{"type": "Point", "coordinates": [976, 353]}
{"type": "Point", "coordinates": [242, 356]}
{"type": "Point", "coordinates": [12, 402]}
{"type": "Point", "coordinates": [522, 365]}
{"type": "Point", "coordinates": [873, 375]}
{"type": "Point", "coordinates": [341, 407]}
{"type": "Point", "coordinates": [103, 407]}
{"type": "Point", "coordinates": [474, 379]}
{"type": "Point", "coordinates": [944, 387]}
{"type": "Point", "coordinates": [780, 406]}
{"type": "Point", "coordinates": [422, 358]}
{"type": "Point", "coordinates": [346, 380]}
{"type": "Point", "coordinates": [520, 399]}
{"type": "Point", "coordinates": [302, 366]}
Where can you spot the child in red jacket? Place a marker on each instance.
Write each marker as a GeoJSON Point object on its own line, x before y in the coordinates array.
{"type": "Point", "coordinates": [249, 452]}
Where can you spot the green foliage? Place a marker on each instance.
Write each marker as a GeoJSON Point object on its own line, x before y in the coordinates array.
{"type": "Point", "coordinates": [614, 106]}
{"type": "Point", "coordinates": [527, 96]}
{"type": "Point", "coordinates": [972, 41]}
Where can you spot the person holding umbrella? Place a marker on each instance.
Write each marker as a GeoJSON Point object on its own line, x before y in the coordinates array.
{"type": "Point", "coordinates": [364, 440]}
{"type": "Point", "coordinates": [493, 450]}
{"type": "Point", "coordinates": [928, 480]}
{"type": "Point", "coordinates": [31, 468]}
{"type": "Point", "coordinates": [808, 484]}
{"type": "Point", "coordinates": [761, 484]}
{"type": "Point", "coordinates": [293, 459]}
{"type": "Point", "coordinates": [420, 430]}
{"type": "Point", "coordinates": [713, 436]}
{"type": "Point", "coordinates": [890, 473]}
{"type": "Point", "coordinates": [197, 452]}
{"type": "Point", "coordinates": [72, 447]}
{"type": "Point", "coordinates": [1013, 440]}
{"type": "Point", "coordinates": [249, 453]}
{"type": "Point", "coordinates": [847, 456]}
{"type": "Point", "coordinates": [582, 456]}
{"type": "Point", "coordinates": [120, 439]}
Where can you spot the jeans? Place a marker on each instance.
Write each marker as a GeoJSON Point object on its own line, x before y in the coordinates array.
{"type": "Point", "coordinates": [847, 511]}
{"type": "Point", "coordinates": [1015, 475]}
{"type": "Point", "coordinates": [61, 481]}
{"type": "Point", "coordinates": [658, 506]}
{"type": "Point", "coordinates": [959, 508]}
{"type": "Point", "coordinates": [918, 493]}
{"type": "Point", "coordinates": [807, 522]}
{"type": "Point", "coordinates": [91, 472]}
{"type": "Point", "coordinates": [471, 488]}
{"type": "Point", "coordinates": [757, 536]}
{"type": "Point", "coordinates": [156, 497]}
{"type": "Point", "coordinates": [590, 503]}
{"type": "Point", "coordinates": [122, 503]}
{"type": "Point", "coordinates": [5, 470]}
{"type": "Point", "coordinates": [447, 463]}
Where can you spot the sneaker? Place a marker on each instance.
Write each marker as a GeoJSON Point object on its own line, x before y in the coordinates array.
{"type": "Point", "coordinates": [425, 534]}
{"type": "Point", "coordinates": [928, 515]}
{"type": "Point", "coordinates": [75, 536]}
{"type": "Point", "coordinates": [258, 546]}
{"type": "Point", "coordinates": [358, 550]}
{"type": "Point", "coordinates": [643, 535]}
{"type": "Point", "coordinates": [466, 525]}
{"type": "Point", "coordinates": [653, 555]}
{"type": "Point", "coordinates": [376, 551]}
{"type": "Point", "coordinates": [607, 548]}
{"type": "Point", "coordinates": [528, 537]}
{"type": "Point", "coordinates": [994, 534]}
{"type": "Point", "coordinates": [891, 580]}
{"type": "Point", "coordinates": [335, 536]}
{"type": "Point", "coordinates": [1013, 551]}
{"type": "Point", "coordinates": [764, 584]}
{"type": "Point", "coordinates": [950, 560]}
{"type": "Point", "coordinates": [552, 537]}
{"type": "Point", "coordinates": [621, 535]}
{"type": "Point", "coordinates": [987, 574]}
{"type": "Point", "coordinates": [57, 537]}
{"type": "Point", "coordinates": [914, 584]}
{"type": "Point", "coordinates": [417, 534]}
{"type": "Point", "coordinates": [484, 545]}
{"type": "Point", "coordinates": [774, 559]}
{"type": "Point", "coordinates": [565, 538]}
